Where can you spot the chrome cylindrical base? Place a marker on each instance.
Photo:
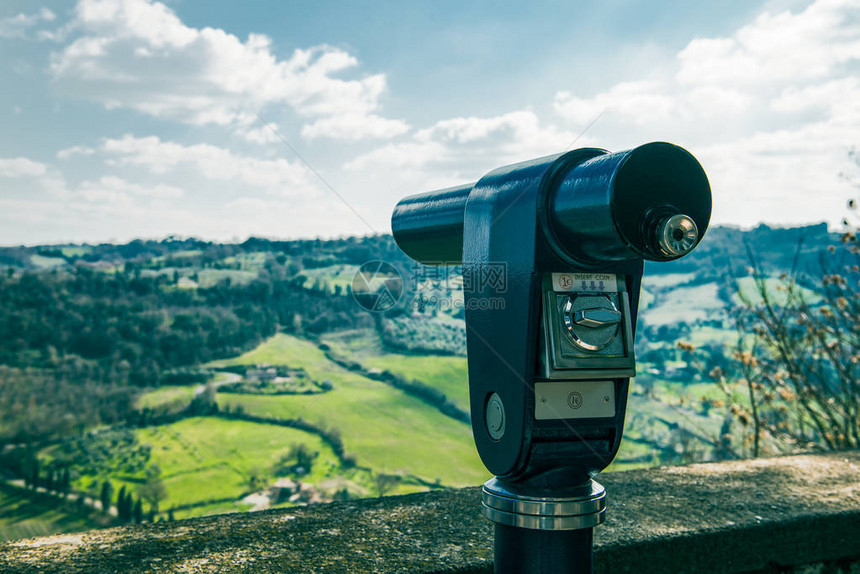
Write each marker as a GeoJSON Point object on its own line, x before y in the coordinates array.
{"type": "Point", "coordinates": [573, 509]}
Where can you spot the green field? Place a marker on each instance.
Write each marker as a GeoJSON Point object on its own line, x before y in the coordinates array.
{"type": "Point", "coordinates": [446, 373]}
{"type": "Point", "coordinates": [703, 335]}
{"type": "Point", "coordinates": [177, 255]}
{"type": "Point", "coordinates": [25, 514]}
{"type": "Point", "coordinates": [205, 459]}
{"type": "Point", "coordinates": [46, 262]}
{"type": "Point", "coordinates": [248, 261]}
{"type": "Point", "coordinates": [385, 429]}
{"type": "Point", "coordinates": [75, 250]}
{"type": "Point", "coordinates": [206, 277]}
{"type": "Point", "coordinates": [685, 305]}
{"type": "Point", "coordinates": [166, 397]}
{"type": "Point", "coordinates": [341, 275]}
{"type": "Point", "coordinates": [748, 289]}
{"type": "Point", "coordinates": [210, 277]}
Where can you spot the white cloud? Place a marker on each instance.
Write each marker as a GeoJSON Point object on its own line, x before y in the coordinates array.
{"type": "Point", "coordinates": [46, 201]}
{"type": "Point", "coordinates": [18, 26]}
{"type": "Point", "coordinates": [75, 150]}
{"type": "Point", "coordinates": [211, 162]}
{"type": "Point", "coordinates": [262, 135]}
{"type": "Point", "coordinates": [115, 185]}
{"type": "Point", "coordinates": [829, 96]}
{"type": "Point", "coordinates": [158, 188]}
{"type": "Point", "coordinates": [112, 201]}
{"type": "Point", "coordinates": [783, 176]}
{"type": "Point", "coordinates": [473, 129]}
{"type": "Point", "coordinates": [405, 155]}
{"type": "Point", "coordinates": [470, 142]}
{"type": "Point", "coordinates": [355, 127]}
{"type": "Point", "coordinates": [778, 49]}
{"type": "Point", "coordinates": [452, 152]}
{"type": "Point", "coordinates": [638, 102]}
{"type": "Point", "coordinates": [21, 167]}
{"type": "Point", "coordinates": [138, 54]}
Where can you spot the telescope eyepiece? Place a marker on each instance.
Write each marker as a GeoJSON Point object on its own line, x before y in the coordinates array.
{"type": "Point", "coordinates": [676, 236]}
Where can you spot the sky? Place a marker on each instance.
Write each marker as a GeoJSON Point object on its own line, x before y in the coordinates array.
{"type": "Point", "coordinates": [124, 119]}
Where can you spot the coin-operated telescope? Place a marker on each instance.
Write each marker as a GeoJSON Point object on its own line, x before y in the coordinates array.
{"type": "Point", "coordinates": [557, 244]}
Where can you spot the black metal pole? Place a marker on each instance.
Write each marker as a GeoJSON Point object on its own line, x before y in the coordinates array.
{"type": "Point", "coordinates": [527, 551]}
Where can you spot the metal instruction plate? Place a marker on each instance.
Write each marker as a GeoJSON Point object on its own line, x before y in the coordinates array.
{"type": "Point", "coordinates": [574, 400]}
{"type": "Point", "coordinates": [592, 282]}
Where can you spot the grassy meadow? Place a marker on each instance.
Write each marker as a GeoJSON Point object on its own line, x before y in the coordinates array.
{"type": "Point", "coordinates": [168, 396]}
{"type": "Point", "coordinates": [385, 429]}
{"type": "Point", "coordinates": [206, 459]}
{"type": "Point", "coordinates": [25, 514]}
{"type": "Point", "coordinates": [443, 372]}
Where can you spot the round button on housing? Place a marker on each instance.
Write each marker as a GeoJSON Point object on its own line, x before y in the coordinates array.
{"type": "Point", "coordinates": [592, 321]}
{"type": "Point", "coordinates": [495, 416]}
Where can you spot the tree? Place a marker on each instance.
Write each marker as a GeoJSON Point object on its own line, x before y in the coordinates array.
{"type": "Point", "coordinates": [341, 495]}
{"type": "Point", "coordinates": [255, 479]}
{"type": "Point", "coordinates": [384, 483]}
{"type": "Point", "coordinates": [107, 494]}
{"type": "Point", "coordinates": [298, 460]}
{"type": "Point", "coordinates": [204, 403]}
{"type": "Point", "coordinates": [799, 355]}
{"type": "Point", "coordinates": [153, 490]}
{"type": "Point", "coordinates": [123, 511]}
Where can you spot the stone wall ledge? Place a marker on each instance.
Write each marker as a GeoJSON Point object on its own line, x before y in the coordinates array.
{"type": "Point", "coordinates": [793, 513]}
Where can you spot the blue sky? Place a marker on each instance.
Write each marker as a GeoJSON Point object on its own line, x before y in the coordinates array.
{"type": "Point", "coordinates": [137, 118]}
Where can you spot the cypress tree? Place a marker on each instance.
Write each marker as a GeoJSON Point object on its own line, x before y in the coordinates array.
{"type": "Point", "coordinates": [127, 508]}
{"type": "Point", "coordinates": [121, 504]}
{"type": "Point", "coordinates": [106, 496]}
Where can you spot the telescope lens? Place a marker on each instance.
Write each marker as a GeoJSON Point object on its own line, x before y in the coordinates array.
{"type": "Point", "coordinates": [677, 235]}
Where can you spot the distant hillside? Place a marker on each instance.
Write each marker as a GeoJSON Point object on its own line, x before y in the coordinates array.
{"type": "Point", "coordinates": [722, 249]}
{"type": "Point", "coordinates": [115, 319]}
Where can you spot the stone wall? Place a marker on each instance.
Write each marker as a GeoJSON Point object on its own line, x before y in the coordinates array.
{"type": "Point", "coordinates": [787, 514]}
